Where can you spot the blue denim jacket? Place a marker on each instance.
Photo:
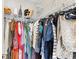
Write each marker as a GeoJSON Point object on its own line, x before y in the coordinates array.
{"type": "Point", "coordinates": [48, 33]}
{"type": "Point", "coordinates": [47, 37]}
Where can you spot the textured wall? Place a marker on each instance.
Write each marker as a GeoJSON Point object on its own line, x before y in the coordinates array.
{"type": "Point", "coordinates": [41, 7]}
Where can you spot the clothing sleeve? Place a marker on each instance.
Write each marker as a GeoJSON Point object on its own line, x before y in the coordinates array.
{"type": "Point", "coordinates": [49, 32]}
{"type": "Point", "coordinates": [58, 50]}
{"type": "Point", "coordinates": [35, 37]}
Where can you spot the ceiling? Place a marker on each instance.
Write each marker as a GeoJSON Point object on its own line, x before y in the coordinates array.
{"type": "Point", "coordinates": [41, 8]}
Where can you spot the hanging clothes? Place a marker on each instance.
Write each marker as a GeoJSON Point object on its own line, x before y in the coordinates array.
{"type": "Point", "coordinates": [55, 40]}
{"type": "Point", "coordinates": [6, 36]}
{"type": "Point", "coordinates": [66, 38]}
{"type": "Point", "coordinates": [11, 36]}
{"type": "Point", "coordinates": [15, 50]}
{"type": "Point", "coordinates": [22, 42]}
{"type": "Point", "coordinates": [6, 39]}
{"type": "Point", "coordinates": [31, 33]}
{"type": "Point", "coordinates": [50, 42]}
{"type": "Point", "coordinates": [37, 39]}
{"type": "Point", "coordinates": [18, 31]}
{"type": "Point", "coordinates": [28, 48]}
{"type": "Point", "coordinates": [47, 41]}
{"type": "Point", "coordinates": [25, 35]}
{"type": "Point", "coordinates": [14, 54]}
{"type": "Point", "coordinates": [14, 44]}
{"type": "Point", "coordinates": [19, 34]}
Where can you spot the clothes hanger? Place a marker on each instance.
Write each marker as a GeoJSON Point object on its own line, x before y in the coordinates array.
{"type": "Point", "coordinates": [61, 12]}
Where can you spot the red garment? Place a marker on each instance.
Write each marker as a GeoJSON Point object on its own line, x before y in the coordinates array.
{"type": "Point", "coordinates": [14, 51]}
{"type": "Point", "coordinates": [18, 35]}
{"type": "Point", "coordinates": [19, 39]}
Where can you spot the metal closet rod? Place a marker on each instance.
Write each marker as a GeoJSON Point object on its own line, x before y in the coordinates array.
{"type": "Point", "coordinates": [19, 19]}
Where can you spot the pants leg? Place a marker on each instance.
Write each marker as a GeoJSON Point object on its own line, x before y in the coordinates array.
{"type": "Point", "coordinates": [48, 49]}
{"type": "Point", "coordinates": [74, 55]}
{"type": "Point", "coordinates": [51, 49]}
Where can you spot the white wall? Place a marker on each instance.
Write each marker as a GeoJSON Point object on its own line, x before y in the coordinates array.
{"type": "Point", "coordinates": [41, 7]}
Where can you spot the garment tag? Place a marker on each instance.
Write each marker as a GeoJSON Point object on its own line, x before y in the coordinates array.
{"type": "Point", "coordinates": [20, 54]}
{"type": "Point", "coordinates": [19, 28]}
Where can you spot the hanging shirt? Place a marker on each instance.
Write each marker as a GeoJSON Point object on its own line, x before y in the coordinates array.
{"type": "Point", "coordinates": [14, 51]}
{"type": "Point", "coordinates": [35, 36]}
{"type": "Point", "coordinates": [22, 40]}
{"type": "Point", "coordinates": [22, 37]}
{"type": "Point", "coordinates": [18, 31]}
{"type": "Point", "coordinates": [11, 36]}
{"type": "Point", "coordinates": [48, 31]}
{"type": "Point", "coordinates": [66, 37]}
{"type": "Point", "coordinates": [6, 37]}
{"type": "Point", "coordinates": [31, 33]}
{"type": "Point", "coordinates": [12, 25]}
{"type": "Point", "coordinates": [27, 36]}
{"type": "Point", "coordinates": [55, 40]}
{"type": "Point", "coordinates": [69, 40]}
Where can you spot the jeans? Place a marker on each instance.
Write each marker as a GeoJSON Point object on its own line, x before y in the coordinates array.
{"type": "Point", "coordinates": [48, 39]}
{"type": "Point", "coordinates": [48, 49]}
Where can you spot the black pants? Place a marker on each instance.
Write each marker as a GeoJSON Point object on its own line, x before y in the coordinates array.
{"type": "Point", "coordinates": [74, 55]}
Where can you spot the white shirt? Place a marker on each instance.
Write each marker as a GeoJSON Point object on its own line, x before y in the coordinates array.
{"type": "Point", "coordinates": [66, 29]}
